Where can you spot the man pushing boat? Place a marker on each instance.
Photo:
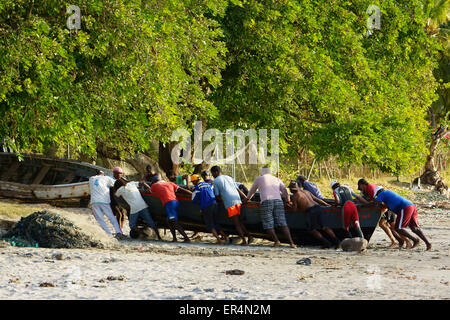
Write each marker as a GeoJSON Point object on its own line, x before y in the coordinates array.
{"type": "Point", "coordinates": [306, 201]}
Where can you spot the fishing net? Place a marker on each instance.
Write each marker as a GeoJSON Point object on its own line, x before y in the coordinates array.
{"type": "Point", "coordinates": [51, 230]}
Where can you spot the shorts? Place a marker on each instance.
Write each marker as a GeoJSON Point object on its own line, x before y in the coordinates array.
{"type": "Point", "coordinates": [350, 214]}
{"type": "Point", "coordinates": [314, 218]}
{"type": "Point", "coordinates": [272, 213]}
{"type": "Point", "coordinates": [172, 209]}
{"type": "Point", "coordinates": [210, 216]}
{"type": "Point", "coordinates": [234, 210]}
{"type": "Point", "coordinates": [407, 218]}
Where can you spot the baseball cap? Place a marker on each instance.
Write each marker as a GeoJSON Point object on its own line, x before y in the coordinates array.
{"type": "Point", "coordinates": [377, 189]}
{"type": "Point", "coordinates": [195, 177]}
{"type": "Point", "coordinates": [118, 170]}
{"type": "Point", "coordinates": [293, 185]}
{"type": "Point", "coordinates": [333, 183]}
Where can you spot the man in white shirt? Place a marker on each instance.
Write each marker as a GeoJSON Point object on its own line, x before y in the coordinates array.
{"type": "Point", "coordinates": [100, 201]}
{"type": "Point", "coordinates": [138, 206]}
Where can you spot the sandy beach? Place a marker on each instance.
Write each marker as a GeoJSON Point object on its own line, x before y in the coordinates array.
{"type": "Point", "coordinates": [154, 270]}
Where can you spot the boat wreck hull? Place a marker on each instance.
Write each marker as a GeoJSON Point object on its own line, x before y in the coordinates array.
{"type": "Point", "coordinates": [44, 178]}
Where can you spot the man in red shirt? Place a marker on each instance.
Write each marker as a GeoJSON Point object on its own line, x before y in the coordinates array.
{"type": "Point", "coordinates": [166, 192]}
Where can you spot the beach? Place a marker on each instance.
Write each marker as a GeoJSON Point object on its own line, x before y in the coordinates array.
{"type": "Point", "coordinates": [161, 270]}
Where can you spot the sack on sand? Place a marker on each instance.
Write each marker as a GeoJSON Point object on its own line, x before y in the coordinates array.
{"type": "Point", "coordinates": [354, 244]}
{"type": "Point", "coordinates": [51, 230]}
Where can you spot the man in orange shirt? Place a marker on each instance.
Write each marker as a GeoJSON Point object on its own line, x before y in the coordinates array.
{"type": "Point", "coordinates": [166, 192]}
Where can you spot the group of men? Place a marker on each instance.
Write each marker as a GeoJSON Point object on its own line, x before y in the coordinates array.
{"type": "Point", "coordinates": [398, 213]}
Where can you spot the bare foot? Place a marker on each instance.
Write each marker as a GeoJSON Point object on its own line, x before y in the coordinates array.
{"type": "Point", "coordinates": [293, 246]}
{"type": "Point", "coordinates": [276, 244]}
{"type": "Point", "coordinates": [187, 240]}
{"type": "Point", "coordinates": [244, 243]}
{"type": "Point", "coordinates": [393, 246]}
{"type": "Point", "coordinates": [250, 239]}
{"type": "Point", "coordinates": [429, 246]}
{"type": "Point", "coordinates": [416, 243]}
{"type": "Point", "coordinates": [174, 240]}
{"type": "Point", "coordinates": [409, 245]}
{"type": "Point", "coordinates": [220, 242]}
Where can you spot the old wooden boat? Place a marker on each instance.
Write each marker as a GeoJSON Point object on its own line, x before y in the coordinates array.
{"type": "Point", "coordinates": [39, 177]}
{"type": "Point", "coordinates": [191, 219]}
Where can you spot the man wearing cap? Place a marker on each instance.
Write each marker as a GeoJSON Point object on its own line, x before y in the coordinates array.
{"type": "Point", "coordinates": [138, 207]}
{"type": "Point", "coordinates": [203, 195]}
{"type": "Point", "coordinates": [225, 190]}
{"type": "Point", "coordinates": [309, 186]}
{"type": "Point", "coordinates": [149, 174]}
{"type": "Point", "coordinates": [206, 178]}
{"type": "Point", "coordinates": [343, 195]}
{"type": "Point", "coordinates": [166, 192]}
{"type": "Point", "coordinates": [387, 220]}
{"type": "Point", "coordinates": [305, 201]}
{"type": "Point", "coordinates": [99, 186]}
{"type": "Point", "coordinates": [406, 215]}
{"type": "Point", "coordinates": [119, 211]}
{"type": "Point", "coordinates": [272, 193]}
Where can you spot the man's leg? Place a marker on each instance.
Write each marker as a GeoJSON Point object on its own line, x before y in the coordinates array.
{"type": "Point", "coordinates": [181, 230]}
{"type": "Point", "coordinates": [332, 235]}
{"type": "Point", "coordinates": [148, 219]}
{"type": "Point", "coordinates": [280, 220]}
{"type": "Point", "coordinates": [325, 243]}
{"type": "Point", "coordinates": [98, 215]}
{"type": "Point", "coordinates": [106, 208]}
{"type": "Point", "coordinates": [172, 228]}
{"type": "Point", "coordinates": [383, 225]}
{"type": "Point", "coordinates": [287, 233]}
{"type": "Point", "coordinates": [239, 228]}
{"type": "Point", "coordinates": [419, 232]}
{"type": "Point", "coordinates": [273, 235]}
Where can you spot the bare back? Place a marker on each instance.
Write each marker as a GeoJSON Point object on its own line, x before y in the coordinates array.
{"type": "Point", "coordinates": [303, 200]}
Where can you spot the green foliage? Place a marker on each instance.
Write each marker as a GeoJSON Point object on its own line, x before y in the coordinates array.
{"type": "Point", "coordinates": [137, 70]}
{"type": "Point", "coordinates": [134, 72]}
{"type": "Point", "coordinates": [308, 69]}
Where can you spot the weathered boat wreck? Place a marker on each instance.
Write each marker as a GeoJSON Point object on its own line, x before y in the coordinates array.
{"type": "Point", "coordinates": [38, 177]}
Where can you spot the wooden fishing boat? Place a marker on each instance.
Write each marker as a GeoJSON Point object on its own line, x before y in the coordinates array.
{"type": "Point", "coordinates": [191, 219]}
{"type": "Point", "coordinates": [39, 177]}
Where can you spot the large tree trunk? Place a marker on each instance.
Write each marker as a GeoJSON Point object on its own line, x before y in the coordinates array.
{"type": "Point", "coordinates": [165, 157]}
{"type": "Point", "coordinates": [431, 175]}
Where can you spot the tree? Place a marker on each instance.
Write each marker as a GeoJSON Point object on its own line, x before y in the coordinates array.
{"type": "Point", "coordinates": [308, 69]}
{"type": "Point", "coordinates": [133, 73]}
{"type": "Point", "coordinates": [437, 16]}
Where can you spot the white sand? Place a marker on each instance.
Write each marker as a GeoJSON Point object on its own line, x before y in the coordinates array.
{"type": "Point", "coordinates": [164, 270]}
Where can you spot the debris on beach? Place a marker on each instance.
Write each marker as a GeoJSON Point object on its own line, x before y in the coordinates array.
{"type": "Point", "coordinates": [304, 261]}
{"type": "Point", "coordinates": [235, 272]}
{"type": "Point", "coordinates": [46, 284]}
{"type": "Point", "coordinates": [50, 230]}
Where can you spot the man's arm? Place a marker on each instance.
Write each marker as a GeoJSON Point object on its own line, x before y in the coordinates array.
{"type": "Point", "coordinates": [183, 190]}
{"type": "Point", "coordinates": [319, 201]}
{"type": "Point", "coordinates": [243, 196]}
{"type": "Point", "coordinates": [252, 191]}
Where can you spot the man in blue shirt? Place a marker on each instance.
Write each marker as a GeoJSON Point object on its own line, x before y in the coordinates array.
{"type": "Point", "coordinates": [225, 190]}
{"type": "Point", "coordinates": [406, 215]}
{"type": "Point", "coordinates": [203, 195]}
{"type": "Point", "coordinates": [309, 186]}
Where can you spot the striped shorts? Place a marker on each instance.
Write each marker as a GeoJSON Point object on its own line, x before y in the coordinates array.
{"type": "Point", "coordinates": [272, 214]}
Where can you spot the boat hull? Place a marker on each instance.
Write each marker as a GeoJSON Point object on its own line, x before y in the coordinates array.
{"type": "Point", "coordinates": [38, 177]}
{"type": "Point", "coordinates": [191, 219]}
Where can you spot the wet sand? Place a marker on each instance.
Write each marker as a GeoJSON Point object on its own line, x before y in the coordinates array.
{"type": "Point", "coordinates": [132, 269]}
